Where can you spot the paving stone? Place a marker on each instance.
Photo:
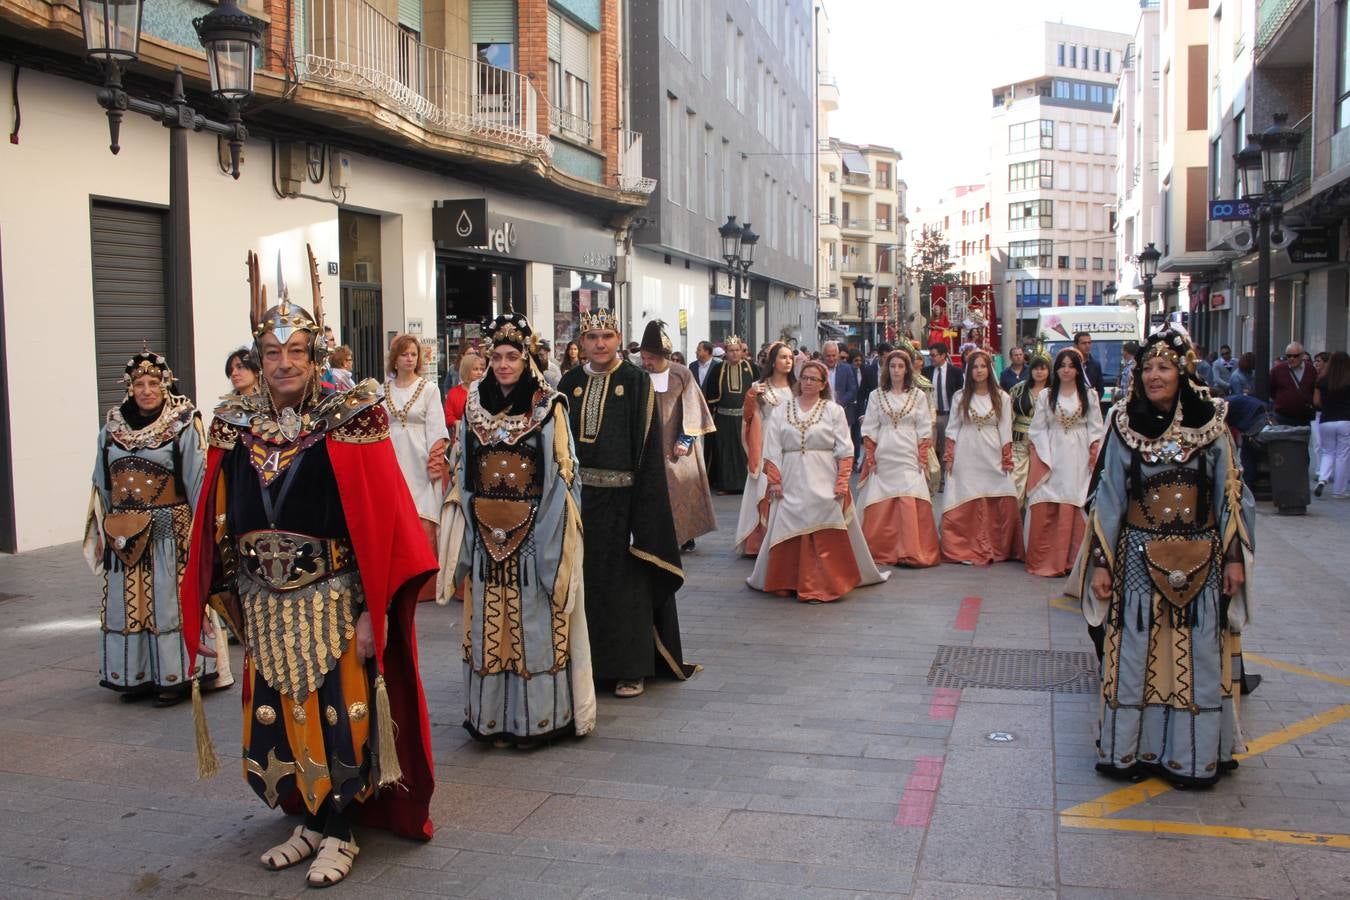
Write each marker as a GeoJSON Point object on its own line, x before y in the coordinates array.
{"type": "Point", "coordinates": [997, 777]}
{"type": "Point", "coordinates": [1161, 863]}
{"type": "Point", "coordinates": [981, 845]}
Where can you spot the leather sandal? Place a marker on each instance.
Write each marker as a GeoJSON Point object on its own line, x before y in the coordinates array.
{"type": "Point", "coordinates": [299, 847]}
{"type": "Point", "coordinates": [629, 688]}
{"type": "Point", "coordinates": [333, 864]}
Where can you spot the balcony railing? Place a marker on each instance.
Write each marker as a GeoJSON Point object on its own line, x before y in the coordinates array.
{"type": "Point", "coordinates": [856, 224]}
{"type": "Point", "coordinates": [859, 179]}
{"type": "Point", "coordinates": [350, 43]}
{"type": "Point", "coordinates": [630, 164]}
{"type": "Point", "coordinates": [858, 267]}
{"type": "Point", "coordinates": [1270, 15]}
{"type": "Point", "coordinates": [1301, 176]}
{"type": "Point", "coordinates": [569, 124]}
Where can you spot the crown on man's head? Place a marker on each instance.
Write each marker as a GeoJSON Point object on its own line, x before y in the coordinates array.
{"type": "Point", "coordinates": [599, 320]}
{"type": "Point", "coordinates": [733, 340]}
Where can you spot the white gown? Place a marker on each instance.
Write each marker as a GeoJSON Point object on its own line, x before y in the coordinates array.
{"type": "Point", "coordinates": [897, 473]}
{"type": "Point", "coordinates": [420, 405]}
{"type": "Point", "coordinates": [755, 483]}
{"type": "Point", "coordinates": [1065, 451]}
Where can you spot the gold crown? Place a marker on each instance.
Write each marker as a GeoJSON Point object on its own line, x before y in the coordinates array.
{"type": "Point", "coordinates": [733, 340]}
{"type": "Point", "coordinates": [599, 320]}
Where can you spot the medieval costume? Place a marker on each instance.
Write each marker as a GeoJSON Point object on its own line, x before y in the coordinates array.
{"type": "Point", "coordinates": [418, 432]}
{"type": "Point", "coordinates": [813, 547]}
{"type": "Point", "coordinates": [147, 478]}
{"type": "Point", "coordinates": [1168, 512]}
{"type": "Point", "coordinates": [1023, 395]}
{"type": "Point", "coordinates": [725, 390]}
{"type": "Point", "coordinates": [754, 519]}
{"type": "Point", "coordinates": [305, 526]}
{"type": "Point", "coordinates": [685, 419]}
{"type": "Point", "coordinates": [897, 508]}
{"type": "Point", "coordinates": [512, 527]}
{"type": "Point", "coordinates": [634, 568]}
{"type": "Point", "coordinates": [1064, 439]}
{"type": "Point", "coordinates": [981, 522]}
{"type": "Point", "coordinates": [932, 465]}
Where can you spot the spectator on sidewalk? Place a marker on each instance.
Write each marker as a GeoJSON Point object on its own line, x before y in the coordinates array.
{"type": "Point", "coordinates": [1017, 370]}
{"type": "Point", "coordinates": [1291, 387]}
{"type": "Point", "coordinates": [1332, 397]}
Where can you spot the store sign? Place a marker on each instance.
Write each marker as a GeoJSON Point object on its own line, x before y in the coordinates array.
{"type": "Point", "coordinates": [468, 225]}
{"type": "Point", "coordinates": [1230, 210]}
{"type": "Point", "coordinates": [1219, 299]}
{"type": "Point", "coordinates": [1313, 245]}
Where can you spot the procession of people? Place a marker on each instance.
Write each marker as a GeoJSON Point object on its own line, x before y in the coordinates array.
{"type": "Point", "coordinates": [307, 522]}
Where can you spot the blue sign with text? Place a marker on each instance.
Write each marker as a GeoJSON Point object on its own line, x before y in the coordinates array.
{"type": "Point", "coordinates": [1230, 210]}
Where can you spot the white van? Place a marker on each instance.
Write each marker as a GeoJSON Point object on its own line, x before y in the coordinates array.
{"type": "Point", "coordinates": [1110, 327]}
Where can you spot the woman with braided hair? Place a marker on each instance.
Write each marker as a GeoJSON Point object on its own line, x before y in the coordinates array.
{"type": "Point", "coordinates": [1165, 567]}
{"type": "Point", "coordinates": [1066, 433]}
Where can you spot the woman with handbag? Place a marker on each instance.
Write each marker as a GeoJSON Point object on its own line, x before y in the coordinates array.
{"type": "Point", "coordinates": [897, 434]}
{"type": "Point", "coordinates": [147, 477]}
{"type": "Point", "coordinates": [1165, 567]}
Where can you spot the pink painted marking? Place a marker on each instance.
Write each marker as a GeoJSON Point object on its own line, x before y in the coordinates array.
{"type": "Point", "coordinates": [944, 703]}
{"type": "Point", "coordinates": [920, 796]}
{"type": "Point", "coordinates": [969, 614]}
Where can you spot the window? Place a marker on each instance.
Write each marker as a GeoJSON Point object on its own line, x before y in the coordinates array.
{"type": "Point", "coordinates": [1026, 254]}
{"type": "Point", "coordinates": [1060, 56]}
{"type": "Point", "coordinates": [1030, 214]}
{"type": "Point", "coordinates": [1096, 60]}
{"type": "Point", "coordinates": [1216, 168]}
{"type": "Point", "coordinates": [1097, 263]}
{"type": "Point", "coordinates": [1080, 177]}
{"type": "Point", "coordinates": [1063, 264]}
{"type": "Point", "coordinates": [691, 155]}
{"type": "Point", "coordinates": [1037, 134]}
{"type": "Point", "coordinates": [884, 175]}
{"type": "Point", "coordinates": [1080, 263]}
{"type": "Point", "coordinates": [725, 174]}
{"type": "Point", "coordinates": [883, 222]}
{"type": "Point", "coordinates": [1080, 92]}
{"type": "Point", "coordinates": [1080, 138]}
{"type": "Point", "coordinates": [674, 119]}
{"type": "Point", "coordinates": [1097, 293]}
{"type": "Point", "coordinates": [1063, 298]}
{"type": "Point", "coordinates": [1342, 66]}
{"type": "Point", "coordinates": [1073, 57]}
{"type": "Point", "coordinates": [706, 39]}
{"type": "Point", "coordinates": [1240, 141]}
{"type": "Point", "coordinates": [569, 67]}
{"type": "Point", "coordinates": [1034, 291]}
{"type": "Point", "coordinates": [1098, 139]}
{"type": "Point", "coordinates": [1062, 89]}
{"type": "Point", "coordinates": [1063, 136]}
{"type": "Point", "coordinates": [1080, 293]}
{"type": "Point", "coordinates": [1106, 61]}
{"type": "Point", "coordinates": [730, 50]}
{"type": "Point", "coordinates": [1029, 176]}
{"type": "Point", "coordinates": [883, 259]}
{"type": "Point", "coordinates": [1097, 94]}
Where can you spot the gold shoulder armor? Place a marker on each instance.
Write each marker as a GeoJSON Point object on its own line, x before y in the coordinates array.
{"type": "Point", "coordinates": [236, 410]}
{"type": "Point", "coordinates": [356, 416]}
{"type": "Point", "coordinates": [223, 434]}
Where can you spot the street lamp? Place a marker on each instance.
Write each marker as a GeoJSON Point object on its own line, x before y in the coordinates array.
{"type": "Point", "coordinates": [738, 250]}
{"type": "Point", "coordinates": [1266, 168]}
{"type": "Point", "coordinates": [862, 290]}
{"type": "Point", "coordinates": [112, 34]}
{"type": "Point", "coordinates": [1148, 270]}
{"type": "Point", "coordinates": [1109, 294]}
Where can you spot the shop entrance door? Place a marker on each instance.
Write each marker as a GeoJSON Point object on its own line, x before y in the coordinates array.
{"type": "Point", "coordinates": [362, 320]}
{"type": "Point", "coordinates": [468, 296]}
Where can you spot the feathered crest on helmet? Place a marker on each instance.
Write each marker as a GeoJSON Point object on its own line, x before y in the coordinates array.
{"type": "Point", "coordinates": [286, 317]}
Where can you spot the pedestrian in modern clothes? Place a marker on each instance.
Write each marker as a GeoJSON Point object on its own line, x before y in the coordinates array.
{"type": "Point", "coordinates": [1332, 397]}
{"type": "Point", "coordinates": [1292, 381]}
{"type": "Point", "coordinates": [1082, 342]}
{"type": "Point", "coordinates": [1017, 370]}
{"type": "Point", "coordinates": [947, 380]}
{"type": "Point", "coordinates": [1241, 382]}
{"type": "Point", "coordinates": [843, 384]}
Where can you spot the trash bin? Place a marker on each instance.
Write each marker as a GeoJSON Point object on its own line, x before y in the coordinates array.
{"type": "Point", "coordinates": [1287, 451]}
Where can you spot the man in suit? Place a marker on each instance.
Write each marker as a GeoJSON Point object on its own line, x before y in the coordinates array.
{"type": "Point", "coordinates": [868, 382]}
{"type": "Point", "coordinates": [1017, 369]}
{"type": "Point", "coordinates": [947, 380]}
{"type": "Point", "coordinates": [1091, 368]}
{"type": "Point", "coordinates": [1291, 387]}
{"type": "Point", "coordinates": [843, 383]}
{"type": "Point", "coordinates": [703, 360]}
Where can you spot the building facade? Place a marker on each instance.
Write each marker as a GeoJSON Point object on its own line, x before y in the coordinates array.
{"type": "Point", "coordinates": [726, 91]}
{"type": "Point", "coordinates": [375, 126]}
{"type": "Point", "coordinates": [1053, 150]}
{"type": "Point", "coordinates": [963, 215]}
{"type": "Point", "coordinates": [1136, 113]}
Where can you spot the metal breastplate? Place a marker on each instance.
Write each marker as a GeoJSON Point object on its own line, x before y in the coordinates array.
{"type": "Point", "coordinates": [296, 637]}
{"type": "Point", "coordinates": [1171, 504]}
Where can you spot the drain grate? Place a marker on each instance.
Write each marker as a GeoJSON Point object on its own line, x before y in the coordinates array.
{"type": "Point", "coordinates": [1059, 671]}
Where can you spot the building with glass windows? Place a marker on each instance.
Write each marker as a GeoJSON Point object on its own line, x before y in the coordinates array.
{"type": "Point", "coordinates": [1053, 162]}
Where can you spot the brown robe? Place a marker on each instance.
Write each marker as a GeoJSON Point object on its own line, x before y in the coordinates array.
{"type": "Point", "coordinates": [684, 413]}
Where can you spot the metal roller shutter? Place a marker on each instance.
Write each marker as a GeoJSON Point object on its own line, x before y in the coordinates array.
{"type": "Point", "coordinates": [493, 22]}
{"type": "Point", "coordinates": [410, 14]}
{"type": "Point", "coordinates": [576, 52]}
{"type": "Point", "coordinates": [130, 292]}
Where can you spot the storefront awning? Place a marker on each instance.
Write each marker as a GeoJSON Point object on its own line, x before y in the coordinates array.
{"type": "Point", "coordinates": [829, 329]}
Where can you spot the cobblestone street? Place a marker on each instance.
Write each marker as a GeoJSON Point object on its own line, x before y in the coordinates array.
{"type": "Point", "coordinates": [811, 757]}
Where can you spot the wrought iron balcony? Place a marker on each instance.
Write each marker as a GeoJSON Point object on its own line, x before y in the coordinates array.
{"type": "Point", "coordinates": [352, 44]}
{"type": "Point", "coordinates": [630, 164]}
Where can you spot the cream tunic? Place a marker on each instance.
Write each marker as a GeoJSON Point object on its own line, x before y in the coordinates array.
{"type": "Point", "coordinates": [977, 469]}
{"type": "Point", "coordinates": [1065, 451]}
{"type": "Point", "coordinates": [770, 399]}
{"type": "Point", "coordinates": [897, 423]}
{"type": "Point", "coordinates": [420, 404]}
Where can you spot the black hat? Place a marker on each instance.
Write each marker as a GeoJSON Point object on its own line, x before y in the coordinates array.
{"type": "Point", "coordinates": [654, 339]}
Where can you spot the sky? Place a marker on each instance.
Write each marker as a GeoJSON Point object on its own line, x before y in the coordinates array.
{"type": "Point", "coordinates": [916, 75]}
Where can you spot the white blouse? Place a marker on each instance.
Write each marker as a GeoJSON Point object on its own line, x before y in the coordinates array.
{"type": "Point", "coordinates": [977, 467]}
{"type": "Point", "coordinates": [416, 423]}
{"type": "Point", "coordinates": [1063, 436]}
{"type": "Point", "coordinates": [896, 423]}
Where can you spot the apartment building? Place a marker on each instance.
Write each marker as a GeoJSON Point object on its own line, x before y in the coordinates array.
{"type": "Point", "coordinates": [726, 92]}
{"type": "Point", "coordinates": [377, 128]}
{"type": "Point", "coordinates": [862, 233]}
{"type": "Point", "coordinates": [1291, 58]}
{"type": "Point", "coordinates": [1135, 117]}
{"type": "Point", "coordinates": [1052, 192]}
{"type": "Point", "coordinates": [963, 215]}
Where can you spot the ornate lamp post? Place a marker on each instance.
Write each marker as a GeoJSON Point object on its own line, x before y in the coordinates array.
{"type": "Point", "coordinates": [1148, 270]}
{"type": "Point", "coordinates": [1109, 294]}
{"type": "Point", "coordinates": [862, 290]}
{"type": "Point", "coordinates": [738, 250]}
{"type": "Point", "coordinates": [112, 34]}
{"type": "Point", "coordinates": [1265, 167]}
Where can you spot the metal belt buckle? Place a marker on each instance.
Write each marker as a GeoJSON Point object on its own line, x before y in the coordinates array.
{"type": "Point", "coordinates": [284, 560]}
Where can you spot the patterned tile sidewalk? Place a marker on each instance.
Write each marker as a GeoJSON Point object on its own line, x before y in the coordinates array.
{"type": "Point", "coordinates": [810, 758]}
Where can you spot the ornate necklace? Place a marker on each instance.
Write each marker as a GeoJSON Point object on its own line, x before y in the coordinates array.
{"type": "Point", "coordinates": [1067, 422]}
{"type": "Point", "coordinates": [982, 420]}
{"type": "Point", "coordinates": [769, 394]}
{"type": "Point", "coordinates": [897, 415]}
{"type": "Point", "coordinates": [803, 425]}
{"type": "Point", "coordinates": [402, 414]}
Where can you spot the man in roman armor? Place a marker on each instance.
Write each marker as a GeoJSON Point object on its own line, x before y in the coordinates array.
{"type": "Point", "coordinates": [633, 557]}
{"type": "Point", "coordinates": [307, 541]}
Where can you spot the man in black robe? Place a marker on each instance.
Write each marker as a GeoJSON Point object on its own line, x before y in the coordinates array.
{"type": "Point", "coordinates": [725, 392]}
{"type": "Point", "coordinates": [632, 558]}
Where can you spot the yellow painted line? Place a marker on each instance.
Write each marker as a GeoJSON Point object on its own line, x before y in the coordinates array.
{"type": "Point", "coordinates": [1294, 732]}
{"type": "Point", "coordinates": [1297, 670]}
{"type": "Point", "coordinates": [1064, 604]}
{"type": "Point", "coordinates": [1117, 801]}
{"type": "Point", "coordinates": [1269, 835]}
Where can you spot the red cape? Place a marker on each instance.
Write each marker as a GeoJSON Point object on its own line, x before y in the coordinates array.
{"type": "Point", "coordinates": [394, 561]}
